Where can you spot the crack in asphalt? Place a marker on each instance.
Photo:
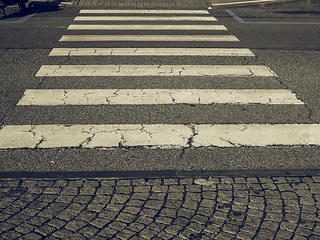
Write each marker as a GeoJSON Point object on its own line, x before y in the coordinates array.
{"type": "Point", "coordinates": [309, 117]}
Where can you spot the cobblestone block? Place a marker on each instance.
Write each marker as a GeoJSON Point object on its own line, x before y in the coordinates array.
{"type": "Point", "coordinates": [107, 232]}
{"type": "Point", "coordinates": [148, 212]}
{"type": "Point", "coordinates": [154, 204]}
{"type": "Point", "coordinates": [165, 220]}
{"type": "Point", "coordinates": [74, 225]}
{"type": "Point", "coordinates": [118, 225]}
{"type": "Point", "coordinates": [158, 188]}
{"type": "Point", "coordinates": [136, 227]}
{"type": "Point", "coordinates": [154, 181]}
{"type": "Point", "coordinates": [147, 233]}
{"type": "Point", "coordinates": [309, 208]}
{"type": "Point", "coordinates": [57, 223]}
{"type": "Point", "coordinates": [96, 207]}
{"type": "Point", "coordinates": [299, 237]}
{"type": "Point", "coordinates": [272, 194]}
{"type": "Point", "coordinates": [253, 220]}
{"type": "Point", "coordinates": [230, 228]}
{"type": "Point", "coordinates": [303, 193]}
{"type": "Point", "coordinates": [273, 208]}
{"type": "Point", "coordinates": [63, 233]}
{"type": "Point", "coordinates": [266, 233]}
{"type": "Point", "coordinates": [23, 228]}
{"type": "Point", "coordinates": [173, 229]}
{"type": "Point", "coordinates": [31, 236]}
{"type": "Point", "coordinates": [99, 222]}
{"type": "Point", "coordinates": [284, 234]}
{"type": "Point", "coordinates": [187, 182]}
{"type": "Point", "coordinates": [18, 218]}
{"type": "Point", "coordinates": [76, 183]}
{"type": "Point", "coordinates": [64, 198]}
{"type": "Point", "coordinates": [200, 219]}
{"type": "Point", "coordinates": [144, 220]}
{"type": "Point", "coordinates": [241, 194]}
{"type": "Point", "coordinates": [315, 189]}
{"type": "Point", "coordinates": [45, 230]}
{"type": "Point", "coordinates": [176, 188]}
{"type": "Point", "coordinates": [160, 196]}
{"type": "Point", "coordinates": [66, 215]}
{"type": "Point", "coordinates": [140, 196]}
{"type": "Point", "coordinates": [316, 178]}
{"type": "Point", "coordinates": [224, 235]}
{"type": "Point", "coordinates": [125, 234]}
{"type": "Point", "coordinates": [86, 215]}
{"type": "Point", "coordinates": [51, 190]}
{"type": "Point", "coordinates": [132, 210]}
{"type": "Point", "coordinates": [124, 189]}
{"type": "Point", "coordinates": [291, 217]}
{"type": "Point", "coordinates": [170, 181]}
{"type": "Point", "coordinates": [87, 191]}
{"type": "Point", "coordinates": [186, 234]}
{"type": "Point", "coordinates": [165, 235]}
{"type": "Point", "coordinates": [70, 191]}
{"type": "Point", "coordinates": [303, 231]}
{"type": "Point", "coordinates": [48, 198]}
{"type": "Point", "coordinates": [245, 235]}
{"type": "Point", "coordinates": [88, 231]}
{"type": "Point", "coordinates": [156, 226]}
{"type": "Point", "coordinates": [190, 204]}
{"type": "Point", "coordinates": [105, 190]}
{"type": "Point", "coordinates": [11, 234]}
{"type": "Point", "coordinates": [307, 200]}
{"type": "Point", "coordinates": [183, 212]}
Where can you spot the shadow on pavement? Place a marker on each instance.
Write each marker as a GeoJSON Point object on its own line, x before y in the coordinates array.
{"type": "Point", "coordinates": [33, 7]}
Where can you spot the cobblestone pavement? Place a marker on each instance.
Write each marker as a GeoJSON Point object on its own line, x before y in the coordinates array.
{"type": "Point", "coordinates": [161, 208]}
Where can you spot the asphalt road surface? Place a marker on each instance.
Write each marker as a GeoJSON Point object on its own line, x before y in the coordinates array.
{"type": "Point", "coordinates": [153, 129]}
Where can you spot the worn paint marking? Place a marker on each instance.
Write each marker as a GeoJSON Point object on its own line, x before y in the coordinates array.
{"type": "Point", "coordinates": [158, 135]}
{"type": "Point", "coordinates": [154, 38]}
{"type": "Point", "coordinates": [151, 51]}
{"type": "Point", "coordinates": [155, 70]}
{"type": "Point", "coordinates": [146, 18]}
{"type": "Point", "coordinates": [156, 96]}
{"type": "Point", "coordinates": [146, 27]}
{"type": "Point", "coordinates": [141, 11]}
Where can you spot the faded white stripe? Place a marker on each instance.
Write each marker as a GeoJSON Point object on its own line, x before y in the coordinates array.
{"type": "Point", "coordinates": [156, 96]}
{"type": "Point", "coordinates": [151, 51]}
{"type": "Point", "coordinates": [145, 27]}
{"type": "Point", "coordinates": [145, 18]}
{"type": "Point", "coordinates": [242, 2]}
{"type": "Point", "coordinates": [155, 70]}
{"type": "Point", "coordinates": [141, 11]}
{"type": "Point", "coordinates": [158, 135]}
{"type": "Point", "coordinates": [157, 38]}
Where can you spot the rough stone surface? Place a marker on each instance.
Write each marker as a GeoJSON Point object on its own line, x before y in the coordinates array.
{"type": "Point", "coordinates": [161, 208]}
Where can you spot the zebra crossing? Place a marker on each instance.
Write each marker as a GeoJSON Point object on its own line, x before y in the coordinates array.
{"type": "Point", "coordinates": [168, 136]}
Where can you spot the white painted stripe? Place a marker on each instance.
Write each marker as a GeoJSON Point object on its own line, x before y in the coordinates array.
{"type": "Point", "coordinates": [141, 11]}
{"type": "Point", "coordinates": [144, 18]}
{"type": "Point", "coordinates": [146, 27]}
{"type": "Point", "coordinates": [157, 38]}
{"type": "Point", "coordinates": [156, 96]}
{"type": "Point", "coordinates": [151, 51]}
{"type": "Point", "coordinates": [158, 135]}
{"type": "Point", "coordinates": [242, 2]}
{"type": "Point", "coordinates": [155, 70]}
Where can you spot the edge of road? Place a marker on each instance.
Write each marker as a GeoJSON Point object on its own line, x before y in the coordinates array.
{"type": "Point", "coordinates": [163, 174]}
{"type": "Point", "coordinates": [214, 4]}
